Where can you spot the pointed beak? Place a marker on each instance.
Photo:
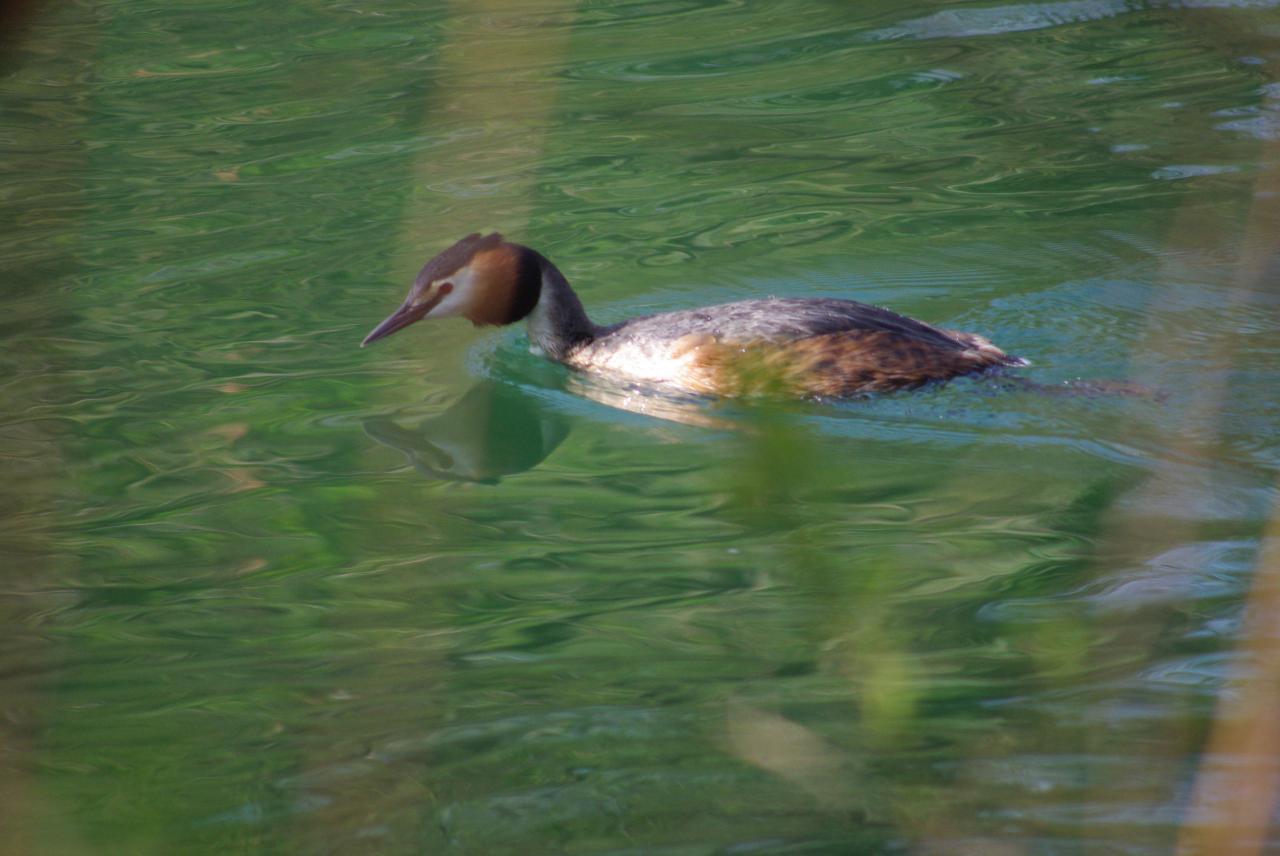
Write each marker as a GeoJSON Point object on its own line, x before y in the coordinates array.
{"type": "Point", "coordinates": [398, 320]}
{"type": "Point", "coordinates": [403, 317]}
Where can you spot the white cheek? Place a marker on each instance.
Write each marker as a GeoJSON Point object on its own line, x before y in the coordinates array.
{"type": "Point", "coordinates": [457, 301]}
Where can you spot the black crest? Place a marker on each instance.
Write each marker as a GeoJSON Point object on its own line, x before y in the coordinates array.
{"type": "Point", "coordinates": [456, 257]}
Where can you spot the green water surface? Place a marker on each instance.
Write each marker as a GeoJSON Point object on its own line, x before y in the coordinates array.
{"type": "Point", "coordinates": [267, 592]}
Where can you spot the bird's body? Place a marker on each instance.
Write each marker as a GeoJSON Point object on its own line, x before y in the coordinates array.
{"type": "Point", "coordinates": [792, 346]}
{"type": "Point", "coordinates": [787, 346]}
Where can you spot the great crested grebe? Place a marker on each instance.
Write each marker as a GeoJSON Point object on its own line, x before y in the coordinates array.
{"type": "Point", "coordinates": [791, 346]}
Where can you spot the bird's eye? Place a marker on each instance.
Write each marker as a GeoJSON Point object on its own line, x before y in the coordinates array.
{"type": "Point", "coordinates": [445, 288]}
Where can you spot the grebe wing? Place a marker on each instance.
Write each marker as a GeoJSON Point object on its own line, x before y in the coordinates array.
{"type": "Point", "coordinates": [777, 319]}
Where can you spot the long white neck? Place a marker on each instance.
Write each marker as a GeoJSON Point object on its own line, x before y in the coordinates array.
{"type": "Point", "coordinates": [558, 324]}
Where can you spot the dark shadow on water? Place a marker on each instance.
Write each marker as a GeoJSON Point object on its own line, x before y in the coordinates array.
{"type": "Point", "coordinates": [492, 431]}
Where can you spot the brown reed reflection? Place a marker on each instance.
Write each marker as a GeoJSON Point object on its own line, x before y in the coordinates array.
{"type": "Point", "coordinates": [1236, 795]}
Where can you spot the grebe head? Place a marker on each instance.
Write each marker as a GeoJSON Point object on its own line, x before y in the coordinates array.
{"type": "Point", "coordinates": [483, 279]}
